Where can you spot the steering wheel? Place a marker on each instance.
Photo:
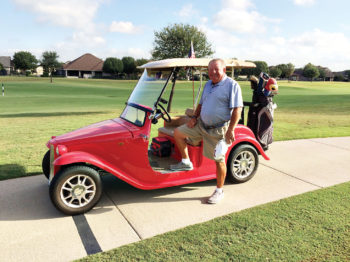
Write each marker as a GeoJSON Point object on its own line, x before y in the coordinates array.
{"type": "Point", "coordinates": [165, 114]}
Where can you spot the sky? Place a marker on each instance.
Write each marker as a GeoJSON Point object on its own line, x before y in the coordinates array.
{"type": "Point", "coordinates": [275, 31]}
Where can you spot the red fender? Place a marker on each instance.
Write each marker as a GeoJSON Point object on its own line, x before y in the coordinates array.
{"type": "Point", "coordinates": [245, 135]}
{"type": "Point", "coordinates": [83, 157]}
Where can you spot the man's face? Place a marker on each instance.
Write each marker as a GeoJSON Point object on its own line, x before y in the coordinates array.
{"type": "Point", "coordinates": [216, 71]}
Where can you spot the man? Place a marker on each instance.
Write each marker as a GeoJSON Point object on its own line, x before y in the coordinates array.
{"type": "Point", "coordinates": [215, 118]}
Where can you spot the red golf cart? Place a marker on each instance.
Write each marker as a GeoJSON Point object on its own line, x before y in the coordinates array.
{"type": "Point", "coordinates": [75, 160]}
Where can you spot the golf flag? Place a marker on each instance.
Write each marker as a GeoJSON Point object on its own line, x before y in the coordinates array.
{"type": "Point", "coordinates": [191, 53]}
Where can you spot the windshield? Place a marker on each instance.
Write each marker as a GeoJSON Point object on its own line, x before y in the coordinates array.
{"type": "Point", "coordinates": [149, 88]}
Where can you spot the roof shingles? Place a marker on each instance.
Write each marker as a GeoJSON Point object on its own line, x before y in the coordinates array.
{"type": "Point", "coordinates": [87, 62]}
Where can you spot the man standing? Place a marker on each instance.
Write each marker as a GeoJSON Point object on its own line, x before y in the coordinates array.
{"type": "Point", "coordinates": [215, 118]}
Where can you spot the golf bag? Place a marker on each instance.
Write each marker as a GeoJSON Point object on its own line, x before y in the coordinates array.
{"type": "Point", "coordinates": [260, 114]}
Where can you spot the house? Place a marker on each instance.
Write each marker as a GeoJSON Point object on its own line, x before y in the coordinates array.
{"type": "Point", "coordinates": [39, 71]}
{"type": "Point", "coordinates": [6, 63]}
{"type": "Point", "coordinates": [328, 75]}
{"type": "Point", "coordinates": [298, 75]}
{"type": "Point", "coordinates": [85, 66]}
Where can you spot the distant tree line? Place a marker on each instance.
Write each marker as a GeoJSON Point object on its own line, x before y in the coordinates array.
{"type": "Point", "coordinates": [126, 68]}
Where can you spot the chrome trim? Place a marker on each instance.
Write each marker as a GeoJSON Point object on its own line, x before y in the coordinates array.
{"type": "Point", "coordinates": [52, 158]}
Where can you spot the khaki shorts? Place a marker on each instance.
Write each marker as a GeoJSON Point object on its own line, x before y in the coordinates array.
{"type": "Point", "coordinates": [210, 137]}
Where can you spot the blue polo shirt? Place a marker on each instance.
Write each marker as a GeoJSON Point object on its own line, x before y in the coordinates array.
{"type": "Point", "coordinates": [218, 101]}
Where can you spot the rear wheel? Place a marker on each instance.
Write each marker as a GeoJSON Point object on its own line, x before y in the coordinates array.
{"type": "Point", "coordinates": [242, 164]}
{"type": "Point", "coordinates": [46, 164]}
{"type": "Point", "coordinates": [75, 190]}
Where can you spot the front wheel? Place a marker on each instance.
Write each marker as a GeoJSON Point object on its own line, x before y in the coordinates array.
{"type": "Point", "coordinates": [242, 164]}
{"type": "Point", "coordinates": [46, 164]}
{"type": "Point", "coordinates": [76, 190]}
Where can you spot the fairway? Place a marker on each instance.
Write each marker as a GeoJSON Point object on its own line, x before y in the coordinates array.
{"type": "Point", "coordinates": [33, 110]}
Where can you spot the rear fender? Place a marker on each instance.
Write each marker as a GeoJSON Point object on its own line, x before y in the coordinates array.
{"type": "Point", "coordinates": [252, 141]}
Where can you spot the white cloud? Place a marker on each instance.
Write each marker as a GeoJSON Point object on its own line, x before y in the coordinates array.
{"type": "Point", "coordinates": [82, 38]}
{"type": "Point", "coordinates": [131, 51]}
{"type": "Point", "coordinates": [319, 47]}
{"type": "Point", "coordinates": [186, 11]}
{"type": "Point", "coordinates": [124, 27]}
{"type": "Point", "coordinates": [77, 14]}
{"type": "Point", "coordinates": [304, 2]}
{"type": "Point", "coordinates": [239, 16]}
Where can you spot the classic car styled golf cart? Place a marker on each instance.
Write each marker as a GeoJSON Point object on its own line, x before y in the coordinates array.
{"type": "Point", "coordinates": [121, 146]}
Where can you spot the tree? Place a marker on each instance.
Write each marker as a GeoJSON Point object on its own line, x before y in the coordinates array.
{"type": "Point", "coordinates": [174, 41]}
{"type": "Point", "coordinates": [129, 65]}
{"type": "Point", "coordinates": [49, 62]}
{"type": "Point", "coordinates": [311, 71]}
{"type": "Point", "coordinates": [3, 71]}
{"type": "Point", "coordinates": [140, 62]}
{"type": "Point", "coordinates": [113, 66]}
{"type": "Point", "coordinates": [261, 66]}
{"type": "Point", "coordinates": [289, 70]}
{"type": "Point", "coordinates": [347, 74]}
{"type": "Point", "coordinates": [322, 73]}
{"type": "Point", "coordinates": [24, 61]}
{"type": "Point", "coordinates": [339, 77]}
{"type": "Point", "coordinates": [275, 71]}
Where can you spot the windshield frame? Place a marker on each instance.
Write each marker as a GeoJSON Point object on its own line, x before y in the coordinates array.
{"type": "Point", "coordinates": [146, 108]}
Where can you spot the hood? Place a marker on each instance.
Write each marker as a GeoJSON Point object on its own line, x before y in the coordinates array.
{"type": "Point", "coordinates": [101, 129]}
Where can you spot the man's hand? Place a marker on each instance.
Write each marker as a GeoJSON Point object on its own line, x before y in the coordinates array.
{"type": "Point", "coordinates": [192, 122]}
{"type": "Point", "coordinates": [230, 136]}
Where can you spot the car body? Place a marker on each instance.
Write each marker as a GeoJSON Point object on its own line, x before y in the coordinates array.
{"type": "Point", "coordinates": [121, 146]}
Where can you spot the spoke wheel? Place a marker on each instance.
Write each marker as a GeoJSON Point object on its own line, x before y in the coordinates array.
{"type": "Point", "coordinates": [75, 190]}
{"type": "Point", "coordinates": [78, 191]}
{"type": "Point", "coordinates": [242, 164]}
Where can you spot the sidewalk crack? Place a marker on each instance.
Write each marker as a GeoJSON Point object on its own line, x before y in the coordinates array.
{"type": "Point", "coordinates": [127, 220]}
{"type": "Point", "coordinates": [339, 147]}
{"type": "Point", "coordinates": [310, 183]}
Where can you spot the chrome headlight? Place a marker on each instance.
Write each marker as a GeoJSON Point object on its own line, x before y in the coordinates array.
{"type": "Point", "coordinates": [61, 149]}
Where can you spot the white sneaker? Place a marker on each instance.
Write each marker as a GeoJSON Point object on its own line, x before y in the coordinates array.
{"type": "Point", "coordinates": [181, 166]}
{"type": "Point", "coordinates": [216, 197]}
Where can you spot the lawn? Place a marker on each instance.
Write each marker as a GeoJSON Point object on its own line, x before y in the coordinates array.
{"type": "Point", "coordinates": [309, 227]}
{"type": "Point", "coordinates": [33, 110]}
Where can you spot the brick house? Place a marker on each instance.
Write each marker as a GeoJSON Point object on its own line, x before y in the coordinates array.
{"type": "Point", "coordinates": [85, 66]}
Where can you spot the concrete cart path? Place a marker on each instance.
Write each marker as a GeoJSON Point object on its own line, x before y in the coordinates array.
{"type": "Point", "coordinates": [31, 229]}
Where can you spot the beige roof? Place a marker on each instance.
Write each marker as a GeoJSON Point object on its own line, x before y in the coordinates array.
{"type": "Point", "coordinates": [87, 62]}
{"type": "Point", "coordinates": [194, 62]}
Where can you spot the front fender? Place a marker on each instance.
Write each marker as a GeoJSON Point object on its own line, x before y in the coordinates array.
{"type": "Point", "coordinates": [83, 157]}
{"type": "Point", "coordinates": [78, 157]}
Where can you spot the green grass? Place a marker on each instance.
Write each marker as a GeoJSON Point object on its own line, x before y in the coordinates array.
{"type": "Point", "coordinates": [33, 110]}
{"type": "Point", "coordinates": [311, 227]}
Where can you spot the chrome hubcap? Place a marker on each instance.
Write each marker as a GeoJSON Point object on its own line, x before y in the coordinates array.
{"type": "Point", "coordinates": [243, 165]}
{"type": "Point", "coordinates": [78, 191]}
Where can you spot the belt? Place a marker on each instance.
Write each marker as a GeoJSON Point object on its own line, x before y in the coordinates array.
{"type": "Point", "coordinates": [214, 126]}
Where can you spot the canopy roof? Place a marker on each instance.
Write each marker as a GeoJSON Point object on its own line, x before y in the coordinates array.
{"type": "Point", "coordinates": [194, 62]}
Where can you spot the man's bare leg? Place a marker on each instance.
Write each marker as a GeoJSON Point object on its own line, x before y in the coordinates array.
{"type": "Point", "coordinates": [220, 174]}
{"type": "Point", "coordinates": [181, 144]}
{"type": "Point", "coordinates": [185, 164]}
{"type": "Point", "coordinates": [220, 180]}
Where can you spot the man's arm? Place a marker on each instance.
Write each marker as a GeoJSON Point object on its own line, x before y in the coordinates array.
{"type": "Point", "coordinates": [193, 120]}
{"type": "Point", "coordinates": [236, 115]}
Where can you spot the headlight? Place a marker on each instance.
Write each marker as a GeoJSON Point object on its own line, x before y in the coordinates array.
{"type": "Point", "coordinates": [61, 149]}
